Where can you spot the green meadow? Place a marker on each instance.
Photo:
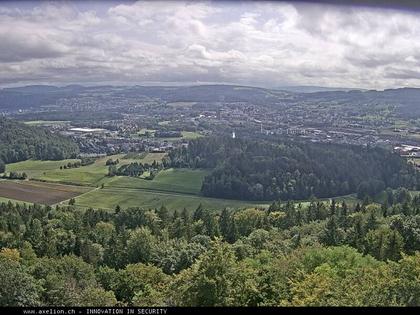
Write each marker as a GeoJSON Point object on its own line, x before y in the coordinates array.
{"type": "Point", "coordinates": [35, 168]}
{"type": "Point", "coordinates": [109, 198]}
{"type": "Point", "coordinates": [191, 135]}
{"type": "Point", "coordinates": [90, 175]}
{"type": "Point", "coordinates": [171, 180]}
{"type": "Point", "coordinates": [45, 122]}
{"type": "Point", "coordinates": [186, 135]}
{"type": "Point", "coordinates": [174, 188]}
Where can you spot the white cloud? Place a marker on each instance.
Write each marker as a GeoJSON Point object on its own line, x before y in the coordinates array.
{"type": "Point", "coordinates": [248, 43]}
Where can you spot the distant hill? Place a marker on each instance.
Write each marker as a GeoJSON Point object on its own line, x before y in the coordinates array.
{"type": "Point", "coordinates": [212, 93]}
{"type": "Point", "coordinates": [312, 89]}
{"type": "Point", "coordinates": [19, 142]}
{"type": "Point", "coordinates": [37, 96]}
{"type": "Point", "coordinates": [405, 100]}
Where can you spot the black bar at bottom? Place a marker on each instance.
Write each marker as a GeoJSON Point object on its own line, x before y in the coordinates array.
{"type": "Point", "coordinates": [187, 310]}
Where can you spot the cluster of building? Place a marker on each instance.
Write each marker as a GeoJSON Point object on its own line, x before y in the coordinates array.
{"type": "Point", "coordinates": [407, 150]}
{"type": "Point", "coordinates": [100, 141]}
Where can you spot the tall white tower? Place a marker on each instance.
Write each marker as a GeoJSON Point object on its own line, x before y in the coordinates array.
{"type": "Point", "coordinates": [233, 135]}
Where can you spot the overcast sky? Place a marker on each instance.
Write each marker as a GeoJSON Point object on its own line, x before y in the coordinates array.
{"type": "Point", "coordinates": [252, 43]}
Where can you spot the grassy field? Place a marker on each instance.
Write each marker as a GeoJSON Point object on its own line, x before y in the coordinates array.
{"type": "Point", "coordinates": [190, 135]}
{"type": "Point", "coordinates": [109, 198]}
{"type": "Point", "coordinates": [90, 175]}
{"type": "Point", "coordinates": [135, 155]}
{"type": "Point", "coordinates": [150, 157]}
{"type": "Point", "coordinates": [50, 171]}
{"type": "Point", "coordinates": [175, 188]}
{"type": "Point", "coordinates": [36, 169]}
{"type": "Point", "coordinates": [170, 180]}
{"type": "Point", "coordinates": [45, 122]}
{"type": "Point", "coordinates": [38, 192]}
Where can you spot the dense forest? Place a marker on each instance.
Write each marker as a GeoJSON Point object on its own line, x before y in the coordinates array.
{"type": "Point", "coordinates": [258, 170]}
{"type": "Point", "coordinates": [19, 142]}
{"type": "Point", "coordinates": [322, 253]}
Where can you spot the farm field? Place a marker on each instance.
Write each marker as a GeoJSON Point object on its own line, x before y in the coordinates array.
{"type": "Point", "coordinates": [186, 135]}
{"type": "Point", "coordinates": [90, 175]}
{"type": "Point", "coordinates": [109, 198]}
{"type": "Point", "coordinates": [35, 168]}
{"type": "Point", "coordinates": [86, 175]}
{"type": "Point", "coordinates": [172, 180]}
{"type": "Point", "coordinates": [38, 192]}
{"type": "Point", "coordinates": [175, 188]}
{"type": "Point", "coordinates": [190, 135]}
{"type": "Point", "coordinates": [45, 122]}
{"type": "Point", "coordinates": [149, 158]}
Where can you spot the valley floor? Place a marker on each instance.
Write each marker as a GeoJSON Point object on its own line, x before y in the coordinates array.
{"type": "Point", "coordinates": [174, 188]}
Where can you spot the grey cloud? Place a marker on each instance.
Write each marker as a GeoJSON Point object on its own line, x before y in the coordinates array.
{"type": "Point", "coordinates": [246, 43]}
{"type": "Point", "coordinates": [371, 60]}
{"type": "Point", "coordinates": [16, 47]}
{"type": "Point", "coordinates": [404, 74]}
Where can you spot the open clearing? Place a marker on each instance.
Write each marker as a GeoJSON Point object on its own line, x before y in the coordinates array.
{"type": "Point", "coordinates": [46, 122]}
{"type": "Point", "coordinates": [186, 135]}
{"type": "Point", "coordinates": [35, 168]}
{"type": "Point", "coordinates": [109, 198]}
{"type": "Point", "coordinates": [174, 188]}
{"type": "Point", "coordinates": [90, 175]}
{"type": "Point", "coordinates": [149, 158]}
{"type": "Point", "coordinates": [190, 135]}
{"type": "Point", "coordinates": [38, 192]}
{"type": "Point", "coordinates": [171, 180]}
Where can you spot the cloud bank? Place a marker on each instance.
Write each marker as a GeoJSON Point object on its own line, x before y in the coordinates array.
{"type": "Point", "coordinates": [253, 43]}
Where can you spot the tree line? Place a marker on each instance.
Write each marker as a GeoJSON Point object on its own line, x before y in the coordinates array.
{"type": "Point", "coordinates": [134, 169]}
{"type": "Point", "coordinates": [84, 161]}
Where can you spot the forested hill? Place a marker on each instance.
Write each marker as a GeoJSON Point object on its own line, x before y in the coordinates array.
{"type": "Point", "coordinates": [20, 142]}
{"type": "Point", "coordinates": [405, 100]}
{"type": "Point", "coordinates": [251, 170]}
